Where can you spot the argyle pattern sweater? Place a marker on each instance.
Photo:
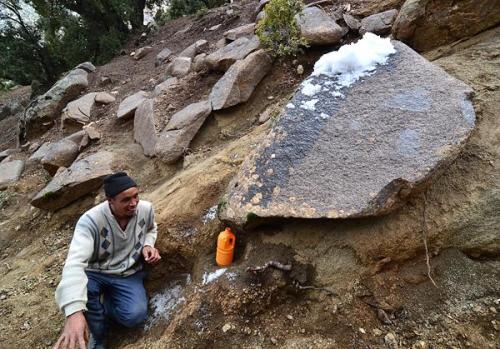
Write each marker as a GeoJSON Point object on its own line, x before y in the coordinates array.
{"type": "Point", "coordinates": [100, 245]}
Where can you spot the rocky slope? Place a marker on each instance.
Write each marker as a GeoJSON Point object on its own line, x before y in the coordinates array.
{"type": "Point", "coordinates": [354, 283]}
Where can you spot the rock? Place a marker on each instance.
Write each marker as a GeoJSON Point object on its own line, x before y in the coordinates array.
{"type": "Point", "coordinates": [104, 98]}
{"type": "Point", "coordinates": [8, 152]}
{"type": "Point", "coordinates": [87, 66]}
{"type": "Point", "coordinates": [128, 106]}
{"type": "Point", "coordinates": [48, 106]}
{"type": "Point", "coordinates": [318, 28]}
{"type": "Point", "coordinates": [174, 140]}
{"type": "Point", "coordinates": [239, 82]}
{"type": "Point", "coordinates": [243, 31]}
{"type": "Point", "coordinates": [10, 172]}
{"type": "Point", "coordinates": [214, 27]}
{"type": "Point", "coordinates": [60, 154]}
{"type": "Point", "coordinates": [377, 332]}
{"type": "Point", "coordinates": [200, 46]}
{"type": "Point", "coordinates": [105, 80]}
{"type": "Point", "coordinates": [180, 66]}
{"type": "Point", "coordinates": [221, 43]}
{"type": "Point", "coordinates": [144, 127]}
{"type": "Point", "coordinates": [390, 341]}
{"type": "Point", "coordinates": [260, 16]}
{"type": "Point", "coordinates": [78, 111]}
{"type": "Point", "coordinates": [63, 152]}
{"type": "Point", "coordinates": [223, 58]}
{"type": "Point", "coordinates": [364, 153]}
{"type": "Point", "coordinates": [300, 69]}
{"type": "Point", "coordinates": [39, 154]}
{"type": "Point", "coordinates": [190, 115]}
{"type": "Point", "coordinates": [199, 62]}
{"type": "Point", "coordinates": [83, 177]}
{"type": "Point", "coordinates": [142, 52]}
{"type": "Point", "coordinates": [163, 56]}
{"type": "Point", "coordinates": [379, 23]}
{"type": "Point", "coordinates": [165, 85]}
{"type": "Point", "coordinates": [425, 27]}
{"type": "Point", "coordinates": [92, 131]}
{"type": "Point", "coordinates": [226, 327]}
{"type": "Point", "coordinates": [351, 22]}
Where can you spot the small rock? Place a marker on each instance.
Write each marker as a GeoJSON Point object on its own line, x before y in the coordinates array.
{"type": "Point", "coordinates": [300, 69]}
{"type": "Point", "coordinates": [142, 52]}
{"type": "Point", "coordinates": [390, 341]}
{"type": "Point", "coordinates": [377, 332]}
{"type": "Point", "coordinates": [420, 345]}
{"type": "Point", "coordinates": [163, 56]}
{"type": "Point", "coordinates": [289, 317]}
{"type": "Point", "coordinates": [215, 27]}
{"type": "Point", "coordinates": [180, 66]}
{"type": "Point", "coordinates": [226, 327]}
{"type": "Point", "coordinates": [274, 341]}
{"type": "Point", "coordinates": [92, 131]}
{"type": "Point", "coordinates": [362, 330]}
{"type": "Point", "coordinates": [493, 310]}
{"type": "Point", "coordinates": [351, 22]}
{"type": "Point", "coordinates": [104, 98]}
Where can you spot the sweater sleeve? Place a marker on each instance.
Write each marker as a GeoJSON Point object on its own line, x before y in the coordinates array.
{"type": "Point", "coordinates": [152, 233]}
{"type": "Point", "coordinates": [71, 293]}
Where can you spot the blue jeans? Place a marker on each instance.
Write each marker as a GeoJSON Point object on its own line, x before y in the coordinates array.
{"type": "Point", "coordinates": [125, 302]}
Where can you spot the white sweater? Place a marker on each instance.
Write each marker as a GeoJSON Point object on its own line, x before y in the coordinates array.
{"type": "Point", "coordinates": [99, 244]}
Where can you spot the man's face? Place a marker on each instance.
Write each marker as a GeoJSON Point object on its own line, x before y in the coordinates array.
{"type": "Point", "coordinates": [125, 203]}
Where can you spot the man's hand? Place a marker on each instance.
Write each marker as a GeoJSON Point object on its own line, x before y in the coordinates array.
{"type": "Point", "coordinates": [151, 254]}
{"type": "Point", "coordinates": [75, 333]}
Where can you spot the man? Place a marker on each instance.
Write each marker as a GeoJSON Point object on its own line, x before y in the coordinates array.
{"type": "Point", "coordinates": [103, 277]}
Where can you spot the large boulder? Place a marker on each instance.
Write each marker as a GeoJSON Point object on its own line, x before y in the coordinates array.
{"type": "Point", "coordinates": [63, 152]}
{"type": "Point", "coordinates": [128, 106]}
{"type": "Point", "coordinates": [224, 57]}
{"type": "Point", "coordinates": [48, 106]}
{"type": "Point", "coordinates": [10, 172]}
{"type": "Point", "coordinates": [378, 23]}
{"type": "Point", "coordinates": [174, 140]}
{"type": "Point", "coordinates": [242, 31]}
{"type": "Point", "coordinates": [239, 82]}
{"type": "Point", "coordinates": [426, 24]}
{"type": "Point", "coordinates": [83, 177]}
{"type": "Point", "coordinates": [350, 147]}
{"type": "Point", "coordinates": [318, 28]}
{"type": "Point", "coordinates": [145, 128]}
{"type": "Point", "coordinates": [78, 111]}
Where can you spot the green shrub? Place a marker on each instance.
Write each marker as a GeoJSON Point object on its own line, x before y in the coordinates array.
{"type": "Point", "coordinates": [278, 30]}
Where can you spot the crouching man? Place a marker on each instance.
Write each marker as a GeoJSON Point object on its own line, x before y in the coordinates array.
{"type": "Point", "coordinates": [102, 278]}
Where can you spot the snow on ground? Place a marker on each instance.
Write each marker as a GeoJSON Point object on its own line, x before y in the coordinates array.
{"type": "Point", "coordinates": [209, 277]}
{"type": "Point", "coordinates": [310, 105]}
{"type": "Point", "coordinates": [209, 215]}
{"type": "Point", "coordinates": [164, 303]}
{"type": "Point", "coordinates": [310, 89]}
{"type": "Point", "coordinates": [352, 62]}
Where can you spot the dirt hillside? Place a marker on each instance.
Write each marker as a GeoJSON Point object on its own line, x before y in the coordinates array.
{"type": "Point", "coordinates": [356, 283]}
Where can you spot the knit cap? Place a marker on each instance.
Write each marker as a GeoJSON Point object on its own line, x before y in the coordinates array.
{"type": "Point", "coordinates": [116, 183]}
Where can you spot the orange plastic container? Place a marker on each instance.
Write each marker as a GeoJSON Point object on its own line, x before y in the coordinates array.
{"type": "Point", "coordinates": [225, 248]}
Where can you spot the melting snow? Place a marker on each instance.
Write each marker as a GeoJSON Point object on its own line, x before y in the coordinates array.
{"type": "Point", "coordinates": [352, 62]}
{"type": "Point", "coordinates": [208, 278]}
{"type": "Point", "coordinates": [164, 303]}
{"type": "Point", "coordinates": [209, 215]}
{"type": "Point", "coordinates": [309, 105]}
{"type": "Point", "coordinates": [310, 89]}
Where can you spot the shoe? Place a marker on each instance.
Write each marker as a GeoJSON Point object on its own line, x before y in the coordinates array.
{"type": "Point", "coordinates": [94, 345]}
